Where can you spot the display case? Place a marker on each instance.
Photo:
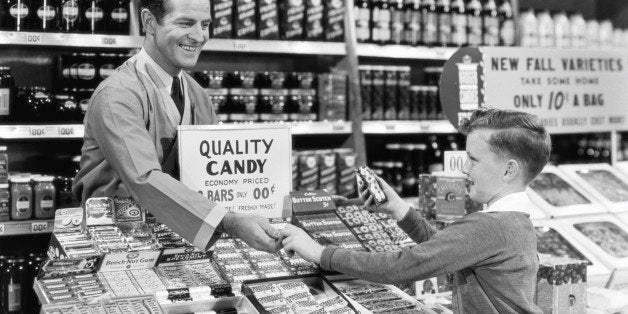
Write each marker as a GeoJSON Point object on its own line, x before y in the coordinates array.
{"type": "Point", "coordinates": [605, 183]}
{"type": "Point", "coordinates": [536, 213]}
{"type": "Point", "coordinates": [553, 240]}
{"type": "Point", "coordinates": [558, 195]}
{"type": "Point", "coordinates": [606, 238]}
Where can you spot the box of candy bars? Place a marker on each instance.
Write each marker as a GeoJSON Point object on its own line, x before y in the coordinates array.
{"type": "Point", "coordinates": [561, 285]}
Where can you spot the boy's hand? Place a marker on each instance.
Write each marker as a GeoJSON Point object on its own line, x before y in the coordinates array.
{"type": "Point", "coordinates": [295, 240]}
{"type": "Point", "coordinates": [396, 207]}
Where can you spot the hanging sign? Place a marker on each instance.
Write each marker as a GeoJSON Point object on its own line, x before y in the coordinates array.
{"type": "Point", "coordinates": [570, 90]}
{"type": "Point", "coordinates": [246, 169]}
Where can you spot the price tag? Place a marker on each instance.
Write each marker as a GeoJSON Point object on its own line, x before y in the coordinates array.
{"type": "Point", "coordinates": [33, 39]}
{"type": "Point", "coordinates": [390, 127]}
{"type": "Point", "coordinates": [39, 226]}
{"type": "Point", "coordinates": [109, 41]}
{"type": "Point", "coordinates": [1, 228]}
{"type": "Point", "coordinates": [241, 45]}
{"type": "Point", "coordinates": [37, 131]}
{"type": "Point", "coordinates": [454, 161]}
{"type": "Point", "coordinates": [65, 131]}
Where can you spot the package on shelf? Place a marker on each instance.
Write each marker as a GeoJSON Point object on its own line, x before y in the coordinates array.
{"type": "Point", "coordinates": [332, 96]}
{"type": "Point", "coordinates": [222, 16]}
{"type": "Point", "coordinates": [244, 19]}
{"type": "Point", "coordinates": [327, 172]}
{"type": "Point", "coordinates": [69, 280]}
{"type": "Point", "coordinates": [366, 90]}
{"type": "Point", "coordinates": [378, 93]}
{"type": "Point", "coordinates": [5, 202]}
{"type": "Point", "coordinates": [301, 105]}
{"type": "Point", "coordinates": [291, 17]}
{"type": "Point", "coordinates": [561, 285]}
{"type": "Point", "coordinates": [345, 165]}
{"type": "Point", "coordinates": [444, 196]}
{"type": "Point", "coordinates": [314, 20]}
{"type": "Point", "coordinates": [272, 103]}
{"type": "Point", "coordinates": [378, 298]}
{"type": "Point", "coordinates": [138, 304]}
{"type": "Point", "coordinates": [242, 103]}
{"type": "Point", "coordinates": [295, 295]}
{"type": "Point", "coordinates": [333, 16]}
{"type": "Point", "coordinates": [327, 228]}
{"type": "Point", "coordinates": [268, 19]}
{"type": "Point", "coordinates": [308, 169]}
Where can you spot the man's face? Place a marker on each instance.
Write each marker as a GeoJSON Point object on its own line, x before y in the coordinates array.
{"type": "Point", "coordinates": [182, 33]}
{"type": "Point", "coordinates": [484, 168]}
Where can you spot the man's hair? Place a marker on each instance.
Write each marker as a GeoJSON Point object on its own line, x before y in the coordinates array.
{"type": "Point", "coordinates": [159, 8]}
{"type": "Point", "coordinates": [517, 135]}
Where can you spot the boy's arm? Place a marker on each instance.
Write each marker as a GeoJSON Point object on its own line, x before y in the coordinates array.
{"type": "Point", "coordinates": [468, 242]}
{"type": "Point", "coordinates": [417, 228]}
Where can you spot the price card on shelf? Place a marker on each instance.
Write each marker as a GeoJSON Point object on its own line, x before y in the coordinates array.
{"type": "Point", "coordinates": [244, 168]}
{"type": "Point", "coordinates": [454, 161]}
{"type": "Point", "coordinates": [39, 226]}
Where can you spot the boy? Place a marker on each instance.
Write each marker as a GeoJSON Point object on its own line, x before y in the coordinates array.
{"type": "Point", "coordinates": [492, 253]}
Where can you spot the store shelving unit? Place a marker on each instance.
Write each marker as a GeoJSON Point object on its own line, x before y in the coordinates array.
{"type": "Point", "coordinates": [407, 127]}
{"type": "Point", "coordinates": [24, 227]}
{"type": "Point", "coordinates": [404, 52]}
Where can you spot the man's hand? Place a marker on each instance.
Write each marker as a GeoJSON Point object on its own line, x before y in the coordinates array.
{"type": "Point", "coordinates": [254, 230]}
{"type": "Point", "coordinates": [394, 206]}
{"type": "Point", "coordinates": [297, 241]}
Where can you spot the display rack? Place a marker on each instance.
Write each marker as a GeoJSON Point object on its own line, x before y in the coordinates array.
{"type": "Point", "coordinates": [23, 227]}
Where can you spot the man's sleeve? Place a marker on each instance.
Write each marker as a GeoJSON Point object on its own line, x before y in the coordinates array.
{"type": "Point", "coordinates": [417, 228]}
{"type": "Point", "coordinates": [466, 243]}
{"type": "Point", "coordinates": [115, 121]}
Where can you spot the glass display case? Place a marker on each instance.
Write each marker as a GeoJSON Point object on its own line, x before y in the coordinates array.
{"type": "Point", "coordinates": [608, 185]}
{"type": "Point", "coordinates": [557, 195]}
{"type": "Point", "coordinates": [554, 240]}
{"type": "Point", "coordinates": [606, 237]}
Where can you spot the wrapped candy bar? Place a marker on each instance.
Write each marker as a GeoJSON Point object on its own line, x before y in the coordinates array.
{"type": "Point", "coordinates": [367, 178]}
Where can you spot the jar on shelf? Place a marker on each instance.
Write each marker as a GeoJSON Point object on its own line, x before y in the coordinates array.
{"type": "Point", "coordinates": [21, 198]}
{"type": "Point", "coordinates": [44, 197]}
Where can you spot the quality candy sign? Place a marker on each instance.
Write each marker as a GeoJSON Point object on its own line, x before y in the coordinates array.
{"type": "Point", "coordinates": [245, 169]}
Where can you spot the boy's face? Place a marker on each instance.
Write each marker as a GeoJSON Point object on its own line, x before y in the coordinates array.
{"type": "Point", "coordinates": [484, 168]}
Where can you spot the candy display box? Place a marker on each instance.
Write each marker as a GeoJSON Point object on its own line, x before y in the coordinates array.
{"type": "Point", "coordinates": [558, 196]}
{"type": "Point", "coordinates": [605, 183]}
{"type": "Point", "coordinates": [555, 241]}
{"type": "Point", "coordinates": [561, 285]}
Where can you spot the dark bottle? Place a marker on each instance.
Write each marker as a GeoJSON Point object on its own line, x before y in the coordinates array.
{"type": "Point", "coordinates": [507, 33]}
{"type": "Point", "coordinates": [412, 22]}
{"type": "Point", "coordinates": [381, 22]}
{"type": "Point", "coordinates": [38, 106]}
{"type": "Point", "coordinates": [93, 17]}
{"type": "Point", "coordinates": [48, 15]}
{"type": "Point", "coordinates": [434, 155]}
{"type": "Point", "coordinates": [66, 108]}
{"type": "Point", "coordinates": [429, 23]}
{"type": "Point", "coordinates": [474, 23]}
{"type": "Point", "coordinates": [13, 280]}
{"type": "Point", "coordinates": [19, 15]}
{"type": "Point", "coordinates": [451, 143]}
{"type": "Point", "coordinates": [419, 164]}
{"type": "Point", "coordinates": [362, 10]}
{"type": "Point", "coordinates": [3, 265]}
{"type": "Point", "coordinates": [443, 13]}
{"type": "Point", "coordinates": [7, 94]}
{"type": "Point", "coordinates": [117, 17]}
{"type": "Point", "coordinates": [409, 180]}
{"type": "Point", "coordinates": [397, 22]}
{"type": "Point", "coordinates": [490, 24]}
{"type": "Point", "coordinates": [63, 185]}
{"type": "Point", "coordinates": [458, 23]}
{"type": "Point", "coordinates": [70, 16]}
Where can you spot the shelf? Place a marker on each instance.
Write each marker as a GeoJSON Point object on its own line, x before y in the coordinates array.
{"type": "Point", "coordinates": [315, 127]}
{"type": "Point", "coordinates": [70, 40]}
{"type": "Point", "coordinates": [407, 127]}
{"type": "Point", "coordinates": [276, 47]}
{"type": "Point", "coordinates": [41, 131]}
{"type": "Point", "coordinates": [404, 52]}
{"type": "Point", "coordinates": [122, 41]}
{"type": "Point", "coordinates": [77, 130]}
{"type": "Point", "coordinates": [10, 228]}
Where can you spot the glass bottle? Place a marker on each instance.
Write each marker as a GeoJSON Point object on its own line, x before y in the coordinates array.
{"type": "Point", "coordinates": [429, 23]}
{"type": "Point", "coordinates": [443, 12]}
{"type": "Point", "coordinates": [412, 22]}
{"type": "Point", "coordinates": [507, 34]}
{"type": "Point", "coordinates": [474, 22]}
{"type": "Point", "coordinates": [458, 23]}
{"type": "Point", "coordinates": [490, 24]}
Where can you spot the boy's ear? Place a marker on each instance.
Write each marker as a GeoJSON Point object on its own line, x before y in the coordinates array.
{"type": "Point", "coordinates": [512, 170]}
{"type": "Point", "coordinates": [148, 20]}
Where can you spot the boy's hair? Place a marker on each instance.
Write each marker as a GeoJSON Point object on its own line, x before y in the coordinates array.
{"type": "Point", "coordinates": [518, 135]}
{"type": "Point", "coordinates": [159, 8]}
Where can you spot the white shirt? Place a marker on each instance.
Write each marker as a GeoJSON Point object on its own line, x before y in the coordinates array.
{"type": "Point", "coordinates": [514, 202]}
{"type": "Point", "coordinates": [166, 80]}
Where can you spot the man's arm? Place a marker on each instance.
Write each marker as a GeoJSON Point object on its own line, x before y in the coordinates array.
{"type": "Point", "coordinates": [466, 243]}
{"type": "Point", "coordinates": [115, 121]}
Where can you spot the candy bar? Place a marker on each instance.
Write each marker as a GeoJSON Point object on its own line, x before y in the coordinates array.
{"type": "Point", "coordinates": [271, 301]}
{"type": "Point", "coordinates": [333, 303]}
{"type": "Point", "coordinates": [301, 296]}
{"type": "Point", "coordinates": [264, 290]}
{"type": "Point", "coordinates": [367, 175]}
{"type": "Point", "coordinates": [283, 309]}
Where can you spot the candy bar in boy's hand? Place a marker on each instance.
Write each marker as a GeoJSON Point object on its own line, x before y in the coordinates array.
{"type": "Point", "coordinates": [370, 180]}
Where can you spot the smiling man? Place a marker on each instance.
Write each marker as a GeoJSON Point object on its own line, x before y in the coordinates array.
{"type": "Point", "coordinates": [492, 253]}
{"type": "Point", "coordinates": [130, 143]}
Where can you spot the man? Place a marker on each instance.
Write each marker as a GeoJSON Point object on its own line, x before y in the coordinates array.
{"type": "Point", "coordinates": [492, 253]}
{"type": "Point", "coordinates": [130, 145]}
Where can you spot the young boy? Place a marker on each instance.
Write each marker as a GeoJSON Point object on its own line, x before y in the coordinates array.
{"type": "Point", "coordinates": [492, 253]}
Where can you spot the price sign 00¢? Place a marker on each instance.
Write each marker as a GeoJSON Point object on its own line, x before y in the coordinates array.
{"type": "Point", "coordinates": [454, 161]}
